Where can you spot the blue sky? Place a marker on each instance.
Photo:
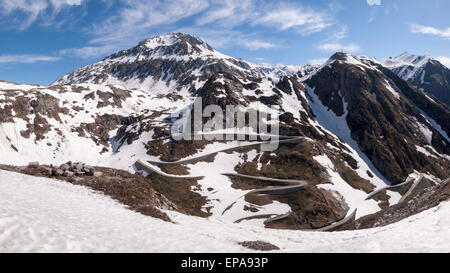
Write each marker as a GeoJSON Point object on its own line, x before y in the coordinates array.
{"type": "Point", "coordinates": [41, 40]}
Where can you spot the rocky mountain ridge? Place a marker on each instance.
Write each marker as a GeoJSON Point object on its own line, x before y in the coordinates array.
{"type": "Point", "coordinates": [424, 72]}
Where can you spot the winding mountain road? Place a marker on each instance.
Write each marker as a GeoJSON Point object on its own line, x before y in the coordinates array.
{"type": "Point", "coordinates": [297, 185]}
{"type": "Point", "coordinates": [144, 166]}
{"type": "Point", "coordinates": [414, 185]}
{"type": "Point", "coordinates": [412, 188]}
{"type": "Point", "coordinates": [339, 223]}
{"type": "Point", "coordinates": [395, 187]}
{"type": "Point", "coordinates": [281, 190]}
{"type": "Point", "coordinates": [283, 139]}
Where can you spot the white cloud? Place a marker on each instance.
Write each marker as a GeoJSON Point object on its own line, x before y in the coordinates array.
{"type": "Point", "coordinates": [29, 10]}
{"type": "Point", "coordinates": [220, 38]}
{"type": "Point", "coordinates": [228, 12]}
{"type": "Point", "coordinates": [373, 2]}
{"type": "Point", "coordinates": [445, 33]}
{"type": "Point", "coordinates": [444, 60]}
{"type": "Point", "coordinates": [280, 15]}
{"type": "Point", "coordinates": [290, 16]}
{"type": "Point", "coordinates": [27, 58]}
{"type": "Point", "coordinates": [334, 47]}
{"type": "Point", "coordinates": [133, 22]}
{"type": "Point", "coordinates": [257, 44]}
{"type": "Point", "coordinates": [340, 33]}
{"type": "Point", "coordinates": [140, 17]}
{"type": "Point", "coordinates": [335, 6]}
{"type": "Point", "coordinates": [214, 20]}
{"type": "Point", "coordinates": [317, 61]}
{"type": "Point", "coordinates": [57, 4]}
{"type": "Point", "coordinates": [90, 51]}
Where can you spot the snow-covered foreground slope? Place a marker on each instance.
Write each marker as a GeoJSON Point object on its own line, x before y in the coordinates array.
{"type": "Point", "coordinates": [44, 215]}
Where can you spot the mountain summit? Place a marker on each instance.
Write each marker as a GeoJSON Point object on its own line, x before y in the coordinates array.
{"type": "Point", "coordinates": [178, 44]}
{"type": "Point", "coordinates": [424, 72]}
{"type": "Point", "coordinates": [176, 60]}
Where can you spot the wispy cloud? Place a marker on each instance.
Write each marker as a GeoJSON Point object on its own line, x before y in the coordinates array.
{"type": "Point", "coordinates": [90, 51]}
{"type": "Point", "coordinates": [334, 43]}
{"type": "Point", "coordinates": [333, 47]}
{"type": "Point", "coordinates": [133, 22]}
{"type": "Point", "coordinates": [26, 12]}
{"type": "Point", "coordinates": [257, 44]}
{"type": "Point", "coordinates": [443, 33]}
{"type": "Point", "coordinates": [223, 38]}
{"type": "Point", "coordinates": [292, 16]}
{"type": "Point", "coordinates": [373, 2]}
{"type": "Point", "coordinates": [29, 59]}
{"type": "Point", "coordinates": [282, 15]}
{"type": "Point", "coordinates": [317, 61]}
{"type": "Point", "coordinates": [373, 11]}
{"type": "Point", "coordinates": [218, 21]}
{"type": "Point", "coordinates": [228, 13]}
{"type": "Point", "coordinates": [339, 33]}
{"type": "Point", "coordinates": [139, 17]}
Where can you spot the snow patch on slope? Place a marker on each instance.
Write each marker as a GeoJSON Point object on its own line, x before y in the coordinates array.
{"type": "Point", "coordinates": [34, 218]}
{"type": "Point", "coordinates": [354, 198]}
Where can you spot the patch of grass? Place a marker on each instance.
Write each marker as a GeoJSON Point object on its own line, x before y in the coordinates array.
{"type": "Point", "coordinates": [310, 210]}
{"type": "Point", "coordinates": [381, 196]}
{"type": "Point", "coordinates": [403, 190]}
{"type": "Point", "coordinates": [414, 193]}
{"type": "Point", "coordinates": [350, 161]}
{"type": "Point", "coordinates": [174, 169]}
{"type": "Point", "coordinates": [259, 200]}
{"type": "Point", "coordinates": [179, 192]}
{"type": "Point", "coordinates": [243, 183]}
{"type": "Point", "coordinates": [353, 179]}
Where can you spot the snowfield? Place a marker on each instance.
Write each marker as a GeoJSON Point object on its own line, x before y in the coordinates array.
{"type": "Point", "coordinates": [46, 215]}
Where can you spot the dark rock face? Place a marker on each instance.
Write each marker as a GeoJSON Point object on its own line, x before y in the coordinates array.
{"type": "Point", "coordinates": [221, 89]}
{"type": "Point", "coordinates": [382, 125]}
{"type": "Point", "coordinates": [437, 111]}
{"type": "Point", "coordinates": [435, 81]}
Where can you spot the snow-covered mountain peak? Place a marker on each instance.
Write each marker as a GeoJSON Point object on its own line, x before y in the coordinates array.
{"type": "Point", "coordinates": [362, 62]}
{"type": "Point", "coordinates": [173, 60]}
{"type": "Point", "coordinates": [344, 58]}
{"type": "Point", "coordinates": [407, 65]}
{"type": "Point", "coordinates": [423, 72]}
{"type": "Point", "coordinates": [339, 56]}
{"type": "Point", "coordinates": [163, 40]}
{"type": "Point", "coordinates": [407, 59]}
{"type": "Point", "coordinates": [180, 44]}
